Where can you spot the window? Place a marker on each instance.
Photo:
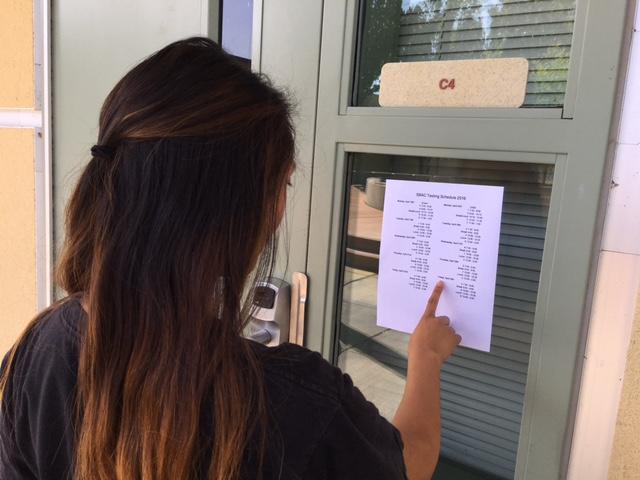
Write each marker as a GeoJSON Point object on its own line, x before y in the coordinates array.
{"type": "Point", "coordinates": [428, 30]}
{"type": "Point", "coordinates": [482, 393]}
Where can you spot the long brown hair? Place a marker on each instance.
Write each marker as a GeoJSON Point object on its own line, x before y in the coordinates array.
{"type": "Point", "coordinates": [163, 232]}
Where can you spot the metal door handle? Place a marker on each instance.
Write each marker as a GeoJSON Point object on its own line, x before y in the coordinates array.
{"type": "Point", "coordinates": [299, 286]}
{"type": "Point", "coordinates": [261, 336]}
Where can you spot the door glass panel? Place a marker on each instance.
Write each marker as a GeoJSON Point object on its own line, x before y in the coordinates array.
{"type": "Point", "coordinates": [427, 30]}
{"type": "Point", "coordinates": [482, 393]}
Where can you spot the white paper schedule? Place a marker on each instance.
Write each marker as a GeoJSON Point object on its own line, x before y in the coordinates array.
{"type": "Point", "coordinates": [440, 231]}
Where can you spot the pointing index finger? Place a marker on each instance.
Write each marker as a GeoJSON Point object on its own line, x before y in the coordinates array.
{"type": "Point", "coordinates": [432, 304]}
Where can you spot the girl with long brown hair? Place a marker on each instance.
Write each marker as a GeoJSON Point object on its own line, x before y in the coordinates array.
{"type": "Point", "coordinates": [142, 372]}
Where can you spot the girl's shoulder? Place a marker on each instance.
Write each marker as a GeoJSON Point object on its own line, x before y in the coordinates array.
{"type": "Point", "coordinates": [39, 396]}
{"type": "Point", "coordinates": [303, 368]}
{"type": "Point", "coordinates": [322, 416]}
{"type": "Point", "coordinates": [51, 341]}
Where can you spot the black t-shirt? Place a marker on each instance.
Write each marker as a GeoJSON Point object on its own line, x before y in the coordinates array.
{"type": "Point", "coordinates": [321, 426]}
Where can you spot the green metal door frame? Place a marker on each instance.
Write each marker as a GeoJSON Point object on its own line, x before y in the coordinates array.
{"type": "Point", "coordinates": [286, 46]}
{"type": "Point", "coordinates": [575, 139]}
{"type": "Point", "coordinates": [94, 43]}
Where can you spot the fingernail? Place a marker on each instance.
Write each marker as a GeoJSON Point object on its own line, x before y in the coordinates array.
{"type": "Point", "coordinates": [440, 283]}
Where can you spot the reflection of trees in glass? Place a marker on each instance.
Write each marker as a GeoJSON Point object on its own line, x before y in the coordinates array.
{"type": "Point", "coordinates": [379, 45]}
{"type": "Point", "coordinates": [428, 9]}
{"type": "Point", "coordinates": [418, 30]}
{"type": "Point", "coordinates": [479, 13]}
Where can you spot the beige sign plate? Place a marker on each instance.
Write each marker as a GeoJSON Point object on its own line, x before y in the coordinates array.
{"type": "Point", "coordinates": [495, 82]}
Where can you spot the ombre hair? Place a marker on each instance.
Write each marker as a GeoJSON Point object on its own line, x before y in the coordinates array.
{"type": "Point", "coordinates": [164, 233]}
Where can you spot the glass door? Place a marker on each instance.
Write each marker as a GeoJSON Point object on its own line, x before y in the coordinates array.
{"type": "Point", "coordinates": [506, 413]}
{"type": "Point", "coordinates": [482, 393]}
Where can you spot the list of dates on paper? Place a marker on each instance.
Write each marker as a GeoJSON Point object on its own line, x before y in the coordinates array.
{"type": "Point", "coordinates": [440, 231]}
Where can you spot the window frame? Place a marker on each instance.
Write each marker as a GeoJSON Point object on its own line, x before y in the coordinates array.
{"type": "Point", "coordinates": [349, 65]}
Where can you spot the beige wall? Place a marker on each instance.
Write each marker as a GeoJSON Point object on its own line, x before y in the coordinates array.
{"type": "Point", "coordinates": [18, 237]}
{"type": "Point", "coordinates": [625, 460]}
{"type": "Point", "coordinates": [16, 54]}
{"type": "Point", "coordinates": [17, 173]}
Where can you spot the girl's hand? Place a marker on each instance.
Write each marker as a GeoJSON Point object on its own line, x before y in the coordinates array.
{"type": "Point", "coordinates": [433, 337]}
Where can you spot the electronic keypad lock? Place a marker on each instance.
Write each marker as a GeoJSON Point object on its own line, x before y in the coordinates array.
{"type": "Point", "coordinates": [269, 323]}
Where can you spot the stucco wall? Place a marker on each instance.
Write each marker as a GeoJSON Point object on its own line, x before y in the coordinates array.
{"type": "Point", "coordinates": [16, 54]}
{"type": "Point", "coordinates": [18, 237]}
{"type": "Point", "coordinates": [625, 460]}
{"type": "Point", "coordinates": [17, 173]}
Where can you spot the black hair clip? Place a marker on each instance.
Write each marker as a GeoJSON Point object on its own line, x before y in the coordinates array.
{"type": "Point", "coordinates": [103, 151]}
